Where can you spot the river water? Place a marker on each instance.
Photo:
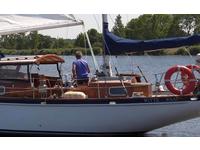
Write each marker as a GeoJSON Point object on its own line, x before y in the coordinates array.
{"type": "Point", "coordinates": [149, 65]}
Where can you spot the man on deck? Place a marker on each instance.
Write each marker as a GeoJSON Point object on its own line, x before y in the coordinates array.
{"type": "Point", "coordinates": [80, 69]}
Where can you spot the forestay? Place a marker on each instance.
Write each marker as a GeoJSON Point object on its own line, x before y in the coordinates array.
{"type": "Point", "coordinates": [10, 24]}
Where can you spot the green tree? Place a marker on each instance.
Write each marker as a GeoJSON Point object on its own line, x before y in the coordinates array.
{"type": "Point", "coordinates": [149, 26]}
{"type": "Point", "coordinates": [194, 50]}
{"type": "Point", "coordinates": [160, 25]}
{"type": "Point", "coordinates": [34, 40]}
{"type": "Point", "coordinates": [175, 30]}
{"type": "Point", "coordinates": [61, 43]}
{"type": "Point", "coordinates": [11, 41]}
{"type": "Point", "coordinates": [118, 28]}
{"type": "Point", "coordinates": [181, 51]}
{"type": "Point", "coordinates": [20, 41]}
{"type": "Point", "coordinates": [80, 40]}
{"type": "Point", "coordinates": [93, 35]}
{"type": "Point", "coordinates": [45, 41]}
{"type": "Point", "coordinates": [185, 24]}
{"type": "Point", "coordinates": [197, 27]}
{"type": "Point", "coordinates": [5, 41]}
{"type": "Point", "coordinates": [139, 28]}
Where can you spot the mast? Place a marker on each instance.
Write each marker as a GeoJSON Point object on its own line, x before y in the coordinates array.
{"type": "Point", "coordinates": [106, 58]}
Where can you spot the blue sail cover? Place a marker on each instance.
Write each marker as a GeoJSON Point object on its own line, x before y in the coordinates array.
{"type": "Point", "coordinates": [117, 45]}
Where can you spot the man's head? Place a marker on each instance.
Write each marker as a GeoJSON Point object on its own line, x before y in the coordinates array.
{"type": "Point", "coordinates": [78, 54]}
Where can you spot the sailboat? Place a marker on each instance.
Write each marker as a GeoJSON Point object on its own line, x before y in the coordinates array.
{"type": "Point", "coordinates": [34, 103]}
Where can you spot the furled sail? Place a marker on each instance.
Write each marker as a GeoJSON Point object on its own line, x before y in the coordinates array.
{"type": "Point", "coordinates": [10, 24]}
{"type": "Point", "coordinates": [117, 45]}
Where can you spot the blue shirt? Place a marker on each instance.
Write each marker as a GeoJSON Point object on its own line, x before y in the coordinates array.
{"type": "Point", "coordinates": [81, 68]}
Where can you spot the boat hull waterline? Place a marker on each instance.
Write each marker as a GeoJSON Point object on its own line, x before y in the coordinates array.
{"type": "Point", "coordinates": [94, 118]}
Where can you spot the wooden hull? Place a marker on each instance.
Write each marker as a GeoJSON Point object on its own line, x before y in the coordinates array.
{"type": "Point", "coordinates": [94, 118]}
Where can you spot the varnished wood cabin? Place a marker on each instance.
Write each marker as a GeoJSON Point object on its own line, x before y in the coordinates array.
{"type": "Point", "coordinates": [19, 79]}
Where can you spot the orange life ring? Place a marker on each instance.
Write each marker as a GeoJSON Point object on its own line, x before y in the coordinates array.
{"type": "Point", "coordinates": [190, 78]}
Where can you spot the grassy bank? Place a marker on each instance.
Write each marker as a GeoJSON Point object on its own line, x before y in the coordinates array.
{"type": "Point", "coordinates": [193, 50]}
{"type": "Point", "coordinates": [69, 51]}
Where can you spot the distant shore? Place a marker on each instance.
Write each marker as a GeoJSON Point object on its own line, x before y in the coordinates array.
{"type": "Point", "coordinates": [192, 50]}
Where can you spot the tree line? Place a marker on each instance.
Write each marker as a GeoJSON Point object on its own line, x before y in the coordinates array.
{"type": "Point", "coordinates": [152, 26]}
{"type": "Point", "coordinates": [146, 26]}
{"type": "Point", "coordinates": [33, 40]}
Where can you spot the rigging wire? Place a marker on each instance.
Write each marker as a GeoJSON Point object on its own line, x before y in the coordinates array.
{"type": "Point", "coordinates": [114, 63]}
{"type": "Point", "coordinates": [111, 18]}
{"type": "Point", "coordinates": [85, 46]}
{"type": "Point", "coordinates": [120, 79]}
{"type": "Point", "coordinates": [149, 57]}
{"type": "Point", "coordinates": [91, 50]}
{"type": "Point", "coordinates": [111, 59]}
{"type": "Point", "coordinates": [127, 18]}
{"type": "Point", "coordinates": [191, 57]}
{"type": "Point", "coordinates": [98, 25]}
{"type": "Point", "coordinates": [131, 61]}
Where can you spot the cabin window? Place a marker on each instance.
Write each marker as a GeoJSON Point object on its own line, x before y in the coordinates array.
{"type": "Point", "coordinates": [2, 90]}
{"type": "Point", "coordinates": [45, 69]}
{"type": "Point", "coordinates": [117, 91]}
{"type": "Point", "coordinates": [13, 72]}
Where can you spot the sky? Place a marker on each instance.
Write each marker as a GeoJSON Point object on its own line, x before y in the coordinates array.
{"type": "Point", "coordinates": [91, 21]}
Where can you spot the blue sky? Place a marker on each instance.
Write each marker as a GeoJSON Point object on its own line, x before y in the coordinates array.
{"type": "Point", "coordinates": [91, 21]}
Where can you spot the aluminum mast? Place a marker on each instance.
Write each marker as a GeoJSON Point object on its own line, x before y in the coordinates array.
{"type": "Point", "coordinates": [106, 58]}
